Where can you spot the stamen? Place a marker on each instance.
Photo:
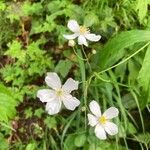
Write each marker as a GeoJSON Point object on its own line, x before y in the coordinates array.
{"type": "Point", "coordinates": [84, 30]}
{"type": "Point", "coordinates": [102, 120]}
{"type": "Point", "coordinates": [59, 92]}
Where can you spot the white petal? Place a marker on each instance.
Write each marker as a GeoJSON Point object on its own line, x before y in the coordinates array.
{"type": "Point", "coordinates": [111, 113]}
{"type": "Point", "coordinates": [92, 120]}
{"type": "Point", "coordinates": [53, 107]}
{"type": "Point", "coordinates": [70, 37]}
{"type": "Point", "coordinates": [46, 95]}
{"type": "Point", "coordinates": [93, 37]}
{"type": "Point", "coordinates": [73, 25]}
{"type": "Point", "coordinates": [95, 108]}
{"type": "Point", "coordinates": [70, 85]}
{"type": "Point", "coordinates": [52, 80]}
{"type": "Point", "coordinates": [100, 132]}
{"type": "Point", "coordinates": [111, 128]}
{"type": "Point", "coordinates": [82, 40]}
{"type": "Point", "coordinates": [70, 102]}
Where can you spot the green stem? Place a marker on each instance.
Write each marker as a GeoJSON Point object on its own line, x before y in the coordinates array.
{"type": "Point", "coordinates": [78, 55]}
{"type": "Point", "coordinates": [83, 76]}
{"type": "Point", "coordinates": [87, 59]}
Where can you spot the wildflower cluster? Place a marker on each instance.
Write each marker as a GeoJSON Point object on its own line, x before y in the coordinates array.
{"type": "Point", "coordinates": [61, 94]}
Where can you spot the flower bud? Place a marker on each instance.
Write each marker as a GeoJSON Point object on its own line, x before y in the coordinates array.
{"type": "Point", "coordinates": [71, 43]}
{"type": "Point", "coordinates": [93, 51]}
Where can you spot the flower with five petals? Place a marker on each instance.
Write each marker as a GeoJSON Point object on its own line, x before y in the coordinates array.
{"type": "Point", "coordinates": [81, 32]}
{"type": "Point", "coordinates": [102, 122]}
{"type": "Point", "coordinates": [58, 94]}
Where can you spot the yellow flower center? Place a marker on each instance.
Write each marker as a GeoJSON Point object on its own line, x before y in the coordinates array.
{"type": "Point", "coordinates": [84, 30]}
{"type": "Point", "coordinates": [59, 92]}
{"type": "Point", "coordinates": [102, 120]}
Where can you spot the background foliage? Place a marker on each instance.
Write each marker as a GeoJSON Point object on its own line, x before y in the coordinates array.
{"type": "Point", "coordinates": [31, 44]}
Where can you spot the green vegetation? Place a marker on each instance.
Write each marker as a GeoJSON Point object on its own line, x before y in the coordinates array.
{"type": "Point", "coordinates": [32, 44]}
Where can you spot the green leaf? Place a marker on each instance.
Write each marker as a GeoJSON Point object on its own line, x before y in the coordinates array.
{"type": "Point", "coordinates": [69, 142]}
{"type": "Point", "coordinates": [141, 7]}
{"type": "Point", "coordinates": [15, 51]}
{"type": "Point", "coordinates": [4, 145]}
{"type": "Point", "coordinates": [63, 67]}
{"type": "Point", "coordinates": [128, 101]}
{"type": "Point", "coordinates": [114, 49]}
{"type": "Point", "coordinates": [80, 140]}
{"type": "Point", "coordinates": [50, 122]}
{"type": "Point", "coordinates": [90, 19]}
{"type": "Point", "coordinates": [30, 9]}
{"type": "Point", "coordinates": [143, 138]}
{"type": "Point", "coordinates": [31, 146]}
{"type": "Point", "coordinates": [7, 104]}
{"type": "Point", "coordinates": [2, 6]}
{"type": "Point", "coordinates": [144, 74]}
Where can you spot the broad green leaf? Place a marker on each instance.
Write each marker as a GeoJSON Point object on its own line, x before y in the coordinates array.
{"type": "Point", "coordinates": [114, 49]}
{"type": "Point", "coordinates": [144, 74]}
{"type": "Point", "coordinates": [80, 140]}
{"type": "Point", "coordinates": [7, 104]}
{"type": "Point", "coordinates": [31, 146]}
{"type": "Point", "coordinates": [69, 142]}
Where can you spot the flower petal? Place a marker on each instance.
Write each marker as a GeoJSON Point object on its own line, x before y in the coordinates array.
{"type": "Point", "coordinates": [52, 80]}
{"type": "Point", "coordinates": [70, 102]}
{"type": "Point", "coordinates": [70, 37]}
{"type": "Point", "coordinates": [73, 25]}
{"type": "Point", "coordinates": [70, 85]}
{"type": "Point", "coordinates": [82, 40]}
{"type": "Point", "coordinates": [93, 37]}
{"type": "Point", "coordinates": [100, 132]}
{"type": "Point", "coordinates": [95, 108]}
{"type": "Point", "coordinates": [92, 120]}
{"type": "Point", "coordinates": [46, 95]}
{"type": "Point", "coordinates": [53, 107]}
{"type": "Point", "coordinates": [111, 113]}
{"type": "Point", "coordinates": [111, 128]}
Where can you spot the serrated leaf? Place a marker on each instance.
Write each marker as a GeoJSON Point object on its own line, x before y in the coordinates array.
{"type": "Point", "coordinates": [114, 49]}
{"type": "Point", "coordinates": [144, 138]}
{"type": "Point", "coordinates": [63, 67]}
{"type": "Point", "coordinates": [7, 104]}
{"type": "Point", "coordinates": [15, 51]}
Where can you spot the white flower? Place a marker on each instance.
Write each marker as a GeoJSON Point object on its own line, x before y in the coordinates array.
{"type": "Point", "coordinates": [58, 94]}
{"type": "Point", "coordinates": [102, 122]}
{"type": "Point", "coordinates": [81, 32]}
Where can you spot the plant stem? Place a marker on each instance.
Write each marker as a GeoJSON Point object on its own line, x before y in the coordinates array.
{"type": "Point", "coordinates": [83, 76]}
